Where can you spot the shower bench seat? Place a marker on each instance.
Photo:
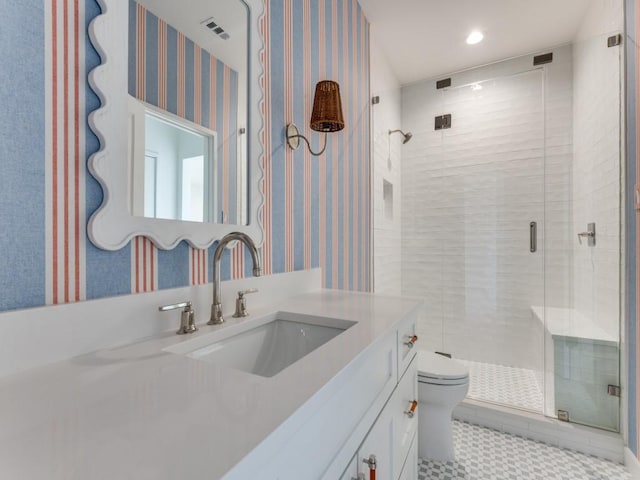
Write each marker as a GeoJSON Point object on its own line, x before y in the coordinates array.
{"type": "Point", "coordinates": [581, 361]}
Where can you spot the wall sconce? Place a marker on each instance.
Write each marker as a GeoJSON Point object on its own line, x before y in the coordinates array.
{"type": "Point", "coordinates": [326, 116]}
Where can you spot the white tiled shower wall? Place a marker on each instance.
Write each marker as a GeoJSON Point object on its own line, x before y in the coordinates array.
{"type": "Point", "coordinates": [469, 194]}
{"type": "Point", "coordinates": [596, 164]}
{"type": "Point", "coordinates": [386, 169]}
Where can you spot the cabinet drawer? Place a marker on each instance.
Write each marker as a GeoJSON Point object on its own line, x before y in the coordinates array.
{"type": "Point", "coordinates": [406, 424]}
{"type": "Point", "coordinates": [407, 343]}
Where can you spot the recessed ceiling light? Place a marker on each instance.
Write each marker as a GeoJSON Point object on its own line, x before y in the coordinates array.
{"type": "Point", "coordinates": [475, 37]}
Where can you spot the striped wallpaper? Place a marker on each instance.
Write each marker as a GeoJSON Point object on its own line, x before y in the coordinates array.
{"type": "Point", "coordinates": [65, 171]}
{"type": "Point", "coordinates": [317, 209]}
{"type": "Point", "coordinates": [632, 223]}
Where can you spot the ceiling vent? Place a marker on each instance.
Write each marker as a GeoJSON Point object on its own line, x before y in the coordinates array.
{"type": "Point", "coordinates": [213, 25]}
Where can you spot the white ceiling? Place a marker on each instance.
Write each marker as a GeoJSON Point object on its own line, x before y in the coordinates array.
{"type": "Point", "coordinates": [426, 38]}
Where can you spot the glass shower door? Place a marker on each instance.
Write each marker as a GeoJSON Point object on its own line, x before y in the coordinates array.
{"type": "Point", "coordinates": [487, 195]}
{"type": "Point", "coordinates": [582, 342]}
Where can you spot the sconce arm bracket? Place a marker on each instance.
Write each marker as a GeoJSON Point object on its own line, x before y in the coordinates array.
{"type": "Point", "coordinates": [293, 140]}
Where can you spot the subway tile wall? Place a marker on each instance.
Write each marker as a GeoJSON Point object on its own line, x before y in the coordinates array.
{"type": "Point", "coordinates": [596, 192]}
{"type": "Point", "coordinates": [387, 187]}
{"type": "Point", "coordinates": [558, 236]}
{"type": "Point", "coordinates": [632, 311]}
{"type": "Point", "coordinates": [469, 194]}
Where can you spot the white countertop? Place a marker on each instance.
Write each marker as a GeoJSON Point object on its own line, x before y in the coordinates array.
{"type": "Point", "coordinates": [141, 413]}
{"type": "Point", "coordinates": [568, 322]}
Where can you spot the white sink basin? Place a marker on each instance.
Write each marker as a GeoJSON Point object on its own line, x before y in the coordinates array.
{"type": "Point", "coordinates": [265, 346]}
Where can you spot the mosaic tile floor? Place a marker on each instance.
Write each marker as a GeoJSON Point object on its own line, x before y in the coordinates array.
{"type": "Point", "coordinates": [485, 454]}
{"type": "Point", "coordinates": [514, 387]}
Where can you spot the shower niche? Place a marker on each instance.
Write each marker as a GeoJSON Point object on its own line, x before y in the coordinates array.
{"type": "Point", "coordinates": [387, 197]}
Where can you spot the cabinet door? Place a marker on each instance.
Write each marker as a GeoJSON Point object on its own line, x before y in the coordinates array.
{"type": "Point", "coordinates": [410, 470]}
{"type": "Point", "coordinates": [380, 442]}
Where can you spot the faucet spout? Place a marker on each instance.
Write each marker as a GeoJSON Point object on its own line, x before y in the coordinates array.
{"type": "Point", "coordinates": [216, 307]}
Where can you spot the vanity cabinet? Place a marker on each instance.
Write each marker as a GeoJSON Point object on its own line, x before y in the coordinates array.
{"type": "Point", "coordinates": [360, 412]}
{"type": "Point", "coordinates": [391, 437]}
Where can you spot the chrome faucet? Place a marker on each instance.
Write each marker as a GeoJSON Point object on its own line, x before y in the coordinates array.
{"type": "Point", "coordinates": [216, 308]}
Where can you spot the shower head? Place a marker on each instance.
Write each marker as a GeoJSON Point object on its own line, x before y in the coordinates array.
{"type": "Point", "coordinates": [407, 136]}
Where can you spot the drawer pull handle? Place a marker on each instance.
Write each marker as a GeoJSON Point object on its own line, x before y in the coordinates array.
{"type": "Point", "coordinates": [412, 341]}
{"type": "Point", "coordinates": [372, 463]}
{"type": "Point", "coordinates": [412, 409]}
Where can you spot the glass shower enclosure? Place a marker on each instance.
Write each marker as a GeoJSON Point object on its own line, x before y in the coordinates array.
{"type": "Point", "coordinates": [511, 228]}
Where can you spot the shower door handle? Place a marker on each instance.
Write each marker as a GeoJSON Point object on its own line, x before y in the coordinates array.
{"type": "Point", "coordinates": [533, 237]}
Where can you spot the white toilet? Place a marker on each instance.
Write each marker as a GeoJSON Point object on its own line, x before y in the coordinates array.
{"type": "Point", "coordinates": [442, 384]}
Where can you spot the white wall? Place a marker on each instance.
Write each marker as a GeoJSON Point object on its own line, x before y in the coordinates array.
{"type": "Point", "coordinates": [468, 196]}
{"type": "Point", "coordinates": [386, 167]}
{"type": "Point", "coordinates": [162, 139]}
{"type": "Point", "coordinates": [558, 233]}
{"type": "Point", "coordinates": [596, 164]}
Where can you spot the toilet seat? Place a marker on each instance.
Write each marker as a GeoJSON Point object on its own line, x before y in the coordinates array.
{"type": "Point", "coordinates": [437, 369]}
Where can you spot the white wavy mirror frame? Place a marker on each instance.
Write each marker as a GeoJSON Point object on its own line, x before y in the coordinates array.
{"type": "Point", "coordinates": [112, 226]}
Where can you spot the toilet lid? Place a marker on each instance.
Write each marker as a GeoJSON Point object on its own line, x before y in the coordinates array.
{"type": "Point", "coordinates": [438, 367]}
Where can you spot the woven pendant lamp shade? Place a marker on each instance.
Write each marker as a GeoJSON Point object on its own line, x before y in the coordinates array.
{"type": "Point", "coordinates": [327, 108]}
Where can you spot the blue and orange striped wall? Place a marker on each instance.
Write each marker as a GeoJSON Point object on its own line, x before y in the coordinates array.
{"type": "Point", "coordinates": [632, 223]}
{"type": "Point", "coordinates": [317, 210]}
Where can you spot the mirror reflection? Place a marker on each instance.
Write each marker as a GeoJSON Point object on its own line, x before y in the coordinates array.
{"type": "Point", "coordinates": [188, 110]}
{"type": "Point", "coordinates": [174, 162]}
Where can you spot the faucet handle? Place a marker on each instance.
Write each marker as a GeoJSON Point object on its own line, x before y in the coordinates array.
{"type": "Point", "coordinates": [241, 303]}
{"type": "Point", "coordinates": [173, 306]}
{"type": "Point", "coordinates": [187, 319]}
{"type": "Point", "coordinates": [242, 293]}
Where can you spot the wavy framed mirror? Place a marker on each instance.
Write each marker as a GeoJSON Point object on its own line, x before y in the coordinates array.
{"type": "Point", "coordinates": [180, 125]}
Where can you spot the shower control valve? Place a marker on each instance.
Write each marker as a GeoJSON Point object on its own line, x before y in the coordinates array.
{"type": "Point", "coordinates": [590, 235]}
